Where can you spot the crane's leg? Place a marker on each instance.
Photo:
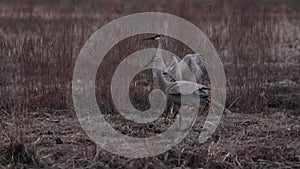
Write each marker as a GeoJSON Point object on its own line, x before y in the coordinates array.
{"type": "Point", "coordinates": [166, 116]}
{"type": "Point", "coordinates": [172, 107]}
{"type": "Point", "coordinates": [169, 105]}
{"type": "Point", "coordinates": [176, 111]}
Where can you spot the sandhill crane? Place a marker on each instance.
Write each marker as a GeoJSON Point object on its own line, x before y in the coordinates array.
{"type": "Point", "coordinates": [157, 60]}
{"type": "Point", "coordinates": [179, 70]}
{"type": "Point", "coordinates": [177, 90]}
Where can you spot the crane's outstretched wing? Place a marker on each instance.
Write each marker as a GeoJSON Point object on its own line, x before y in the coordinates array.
{"type": "Point", "coordinates": [174, 69]}
{"type": "Point", "coordinates": [192, 63]}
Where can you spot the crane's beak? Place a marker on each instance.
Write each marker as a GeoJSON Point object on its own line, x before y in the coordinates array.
{"type": "Point", "coordinates": [152, 38]}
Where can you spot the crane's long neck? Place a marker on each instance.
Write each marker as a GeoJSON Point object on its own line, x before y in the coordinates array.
{"type": "Point", "coordinates": [159, 52]}
{"type": "Point", "coordinates": [158, 61]}
{"type": "Point", "coordinates": [160, 44]}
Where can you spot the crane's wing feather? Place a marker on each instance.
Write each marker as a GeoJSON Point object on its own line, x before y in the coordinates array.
{"type": "Point", "coordinates": [172, 67]}
{"type": "Point", "coordinates": [186, 88]}
{"type": "Point", "coordinates": [193, 63]}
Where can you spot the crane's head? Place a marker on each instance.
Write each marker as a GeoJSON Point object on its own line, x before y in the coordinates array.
{"type": "Point", "coordinates": [156, 37]}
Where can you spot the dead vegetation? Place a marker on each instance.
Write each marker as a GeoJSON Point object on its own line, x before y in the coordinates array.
{"type": "Point", "coordinates": [39, 44]}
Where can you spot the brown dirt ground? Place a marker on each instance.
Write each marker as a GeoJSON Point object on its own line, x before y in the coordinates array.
{"type": "Point", "coordinates": [55, 139]}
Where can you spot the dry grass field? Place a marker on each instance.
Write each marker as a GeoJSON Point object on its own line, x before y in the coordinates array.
{"type": "Point", "coordinates": [258, 43]}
